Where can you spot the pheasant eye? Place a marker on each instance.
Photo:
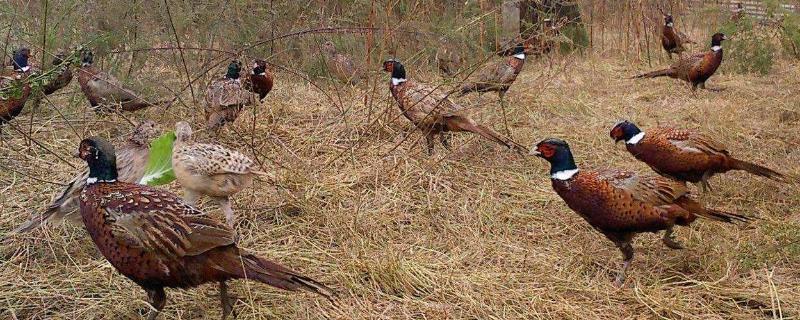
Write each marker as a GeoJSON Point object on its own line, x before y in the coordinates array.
{"type": "Point", "coordinates": [546, 150]}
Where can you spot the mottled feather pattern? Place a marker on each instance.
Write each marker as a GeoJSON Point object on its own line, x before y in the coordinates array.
{"type": "Point", "coordinates": [211, 159]}
{"type": "Point", "coordinates": [423, 105]}
{"type": "Point", "coordinates": [224, 100]}
{"type": "Point", "coordinates": [104, 90]}
{"type": "Point", "coordinates": [341, 66]}
{"type": "Point", "coordinates": [614, 201]}
{"type": "Point", "coordinates": [151, 236]}
{"type": "Point", "coordinates": [497, 76]}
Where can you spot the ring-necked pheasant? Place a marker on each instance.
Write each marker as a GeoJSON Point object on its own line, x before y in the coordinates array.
{"type": "Point", "coordinates": [497, 76]}
{"type": "Point", "coordinates": [64, 71]}
{"type": "Point", "coordinates": [14, 89]}
{"type": "Point", "coordinates": [260, 79]}
{"type": "Point", "coordinates": [673, 40]}
{"type": "Point", "coordinates": [696, 68]}
{"type": "Point", "coordinates": [685, 155]}
{"type": "Point", "coordinates": [432, 112]}
{"type": "Point", "coordinates": [158, 241]}
{"type": "Point", "coordinates": [131, 161]}
{"type": "Point", "coordinates": [104, 92]}
{"type": "Point", "coordinates": [210, 169]}
{"type": "Point", "coordinates": [340, 65]}
{"type": "Point", "coordinates": [225, 98]}
{"type": "Point", "coordinates": [621, 204]}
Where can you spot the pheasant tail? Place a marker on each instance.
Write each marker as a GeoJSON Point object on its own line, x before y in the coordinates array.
{"type": "Point", "coordinates": [713, 214]}
{"type": "Point", "coordinates": [755, 169]}
{"type": "Point", "coordinates": [465, 124]}
{"type": "Point", "coordinates": [655, 74]}
{"type": "Point", "coordinates": [273, 274]}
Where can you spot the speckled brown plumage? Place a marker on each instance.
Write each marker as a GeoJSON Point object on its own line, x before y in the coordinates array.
{"type": "Point", "coordinates": [341, 66]}
{"type": "Point", "coordinates": [211, 170]}
{"type": "Point", "coordinates": [686, 155]}
{"type": "Point", "coordinates": [131, 161]}
{"type": "Point", "coordinates": [433, 113]}
{"type": "Point", "coordinates": [621, 204]}
{"type": "Point", "coordinates": [105, 92]}
{"type": "Point", "coordinates": [152, 237]}
{"type": "Point", "coordinates": [497, 76]}
{"type": "Point", "coordinates": [448, 57]}
{"type": "Point", "coordinates": [695, 69]}
{"type": "Point", "coordinates": [225, 98]}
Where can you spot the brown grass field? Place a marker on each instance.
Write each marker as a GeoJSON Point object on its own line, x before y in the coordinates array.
{"type": "Point", "coordinates": [476, 233]}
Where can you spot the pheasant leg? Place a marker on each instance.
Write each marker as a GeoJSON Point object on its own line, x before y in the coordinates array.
{"type": "Point", "coordinates": [158, 298]}
{"type": "Point", "coordinates": [627, 253]}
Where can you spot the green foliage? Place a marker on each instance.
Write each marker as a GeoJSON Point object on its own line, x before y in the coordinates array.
{"type": "Point", "coordinates": [791, 35]}
{"type": "Point", "coordinates": [577, 35]}
{"type": "Point", "coordinates": [159, 163]}
{"type": "Point", "coordinates": [751, 49]}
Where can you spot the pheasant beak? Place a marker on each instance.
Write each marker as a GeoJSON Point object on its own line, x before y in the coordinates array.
{"type": "Point", "coordinates": [725, 38]}
{"type": "Point", "coordinates": [535, 152]}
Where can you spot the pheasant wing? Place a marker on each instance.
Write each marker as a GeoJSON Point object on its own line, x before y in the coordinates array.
{"type": "Point", "coordinates": [695, 142]}
{"type": "Point", "coordinates": [161, 223]}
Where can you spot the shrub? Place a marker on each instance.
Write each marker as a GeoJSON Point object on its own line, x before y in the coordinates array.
{"type": "Point", "coordinates": [752, 49]}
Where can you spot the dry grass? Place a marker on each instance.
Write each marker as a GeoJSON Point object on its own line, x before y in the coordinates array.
{"type": "Point", "coordinates": [472, 234]}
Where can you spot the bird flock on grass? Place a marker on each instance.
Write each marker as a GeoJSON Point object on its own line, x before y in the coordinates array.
{"type": "Point", "coordinates": [159, 240]}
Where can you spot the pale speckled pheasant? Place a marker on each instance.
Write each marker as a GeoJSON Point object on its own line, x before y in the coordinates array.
{"type": "Point", "coordinates": [433, 113]}
{"type": "Point", "coordinates": [621, 204]}
{"type": "Point", "coordinates": [158, 241]}
{"type": "Point", "coordinates": [340, 65]}
{"type": "Point", "coordinates": [105, 92]}
{"type": "Point", "coordinates": [131, 161]}
{"type": "Point", "coordinates": [448, 58]}
{"type": "Point", "coordinates": [696, 68]}
{"type": "Point", "coordinates": [226, 97]}
{"type": "Point", "coordinates": [210, 169]}
{"type": "Point", "coordinates": [685, 155]}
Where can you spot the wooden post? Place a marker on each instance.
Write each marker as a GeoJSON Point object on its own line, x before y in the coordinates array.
{"type": "Point", "coordinates": [511, 27]}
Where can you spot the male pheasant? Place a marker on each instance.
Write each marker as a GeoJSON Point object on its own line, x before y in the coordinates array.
{"type": "Point", "coordinates": [497, 76]}
{"type": "Point", "coordinates": [131, 161]}
{"type": "Point", "coordinates": [14, 87]}
{"type": "Point", "coordinates": [105, 92]}
{"type": "Point", "coordinates": [695, 69]}
{"type": "Point", "coordinates": [621, 204]}
{"type": "Point", "coordinates": [64, 77]}
{"type": "Point", "coordinates": [225, 98]}
{"type": "Point", "coordinates": [260, 79]}
{"type": "Point", "coordinates": [158, 241]}
{"type": "Point", "coordinates": [432, 112]}
{"type": "Point", "coordinates": [685, 155]}
{"type": "Point", "coordinates": [672, 40]}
